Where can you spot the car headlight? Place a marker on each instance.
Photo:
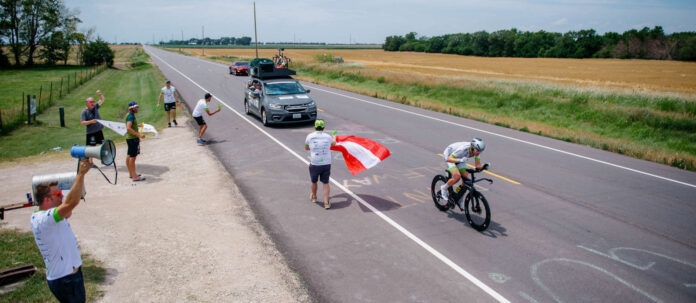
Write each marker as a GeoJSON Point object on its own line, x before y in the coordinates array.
{"type": "Point", "coordinates": [310, 104]}
{"type": "Point", "coordinates": [275, 106]}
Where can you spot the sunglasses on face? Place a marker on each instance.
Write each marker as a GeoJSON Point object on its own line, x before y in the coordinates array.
{"type": "Point", "coordinates": [59, 193]}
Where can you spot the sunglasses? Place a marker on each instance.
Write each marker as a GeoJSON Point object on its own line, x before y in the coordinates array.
{"type": "Point", "coordinates": [59, 193]}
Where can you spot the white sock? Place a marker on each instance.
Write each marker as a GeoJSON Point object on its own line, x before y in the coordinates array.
{"type": "Point", "coordinates": [444, 187]}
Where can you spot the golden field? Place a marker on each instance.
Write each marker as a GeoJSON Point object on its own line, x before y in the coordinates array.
{"type": "Point", "coordinates": [632, 75]}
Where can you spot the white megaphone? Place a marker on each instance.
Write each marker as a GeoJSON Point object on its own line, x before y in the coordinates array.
{"type": "Point", "coordinates": [105, 152]}
{"type": "Point", "coordinates": [65, 182]}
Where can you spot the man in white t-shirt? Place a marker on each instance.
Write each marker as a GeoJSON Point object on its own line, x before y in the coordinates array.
{"type": "Point", "coordinates": [55, 238]}
{"type": "Point", "coordinates": [170, 100]}
{"type": "Point", "coordinates": [202, 107]}
{"type": "Point", "coordinates": [319, 145]}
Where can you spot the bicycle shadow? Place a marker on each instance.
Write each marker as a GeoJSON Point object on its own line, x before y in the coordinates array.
{"type": "Point", "coordinates": [494, 229]}
{"type": "Point", "coordinates": [376, 202]}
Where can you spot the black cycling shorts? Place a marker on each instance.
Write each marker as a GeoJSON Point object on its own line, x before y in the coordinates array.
{"type": "Point", "coordinates": [199, 120]}
{"type": "Point", "coordinates": [169, 106]}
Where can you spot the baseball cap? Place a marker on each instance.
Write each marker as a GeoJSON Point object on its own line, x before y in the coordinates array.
{"type": "Point", "coordinates": [319, 124]}
{"type": "Point", "coordinates": [208, 95]}
{"type": "Point", "coordinates": [168, 82]}
{"type": "Point", "coordinates": [132, 104]}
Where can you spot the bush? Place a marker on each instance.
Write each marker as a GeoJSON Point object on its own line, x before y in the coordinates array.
{"type": "Point", "coordinates": [97, 53]}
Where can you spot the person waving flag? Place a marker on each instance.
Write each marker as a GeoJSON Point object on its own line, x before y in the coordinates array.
{"type": "Point", "coordinates": [360, 153]}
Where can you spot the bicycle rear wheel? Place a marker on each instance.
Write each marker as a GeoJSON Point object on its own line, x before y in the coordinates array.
{"type": "Point", "coordinates": [440, 203]}
{"type": "Point", "coordinates": [478, 214]}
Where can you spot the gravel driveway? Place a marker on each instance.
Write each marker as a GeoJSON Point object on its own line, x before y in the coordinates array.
{"type": "Point", "coordinates": [184, 234]}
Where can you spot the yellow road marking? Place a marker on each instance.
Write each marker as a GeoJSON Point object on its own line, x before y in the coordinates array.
{"type": "Point", "coordinates": [321, 110]}
{"type": "Point", "coordinates": [488, 172]}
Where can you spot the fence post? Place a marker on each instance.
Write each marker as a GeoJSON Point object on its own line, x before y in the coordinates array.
{"type": "Point", "coordinates": [62, 116]}
{"type": "Point", "coordinates": [40, 91]}
{"type": "Point", "coordinates": [34, 107]}
{"type": "Point", "coordinates": [28, 109]}
{"type": "Point", "coordinates": [21, 101]}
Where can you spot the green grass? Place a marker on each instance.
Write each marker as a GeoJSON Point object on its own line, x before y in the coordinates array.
{"type": "Point", "coordinates": [656, 128]}
{"type": "Point", "coordinates": [42, 82]}
{"type": "Point", "coordinates": [19, 248]}
{"type": "Point", "coordinates": [118, 86]}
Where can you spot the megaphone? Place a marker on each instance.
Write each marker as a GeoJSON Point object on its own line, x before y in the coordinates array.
{"type": "Point", "coordinates": [105, 152]}
{"type": "Point", "coordinates": [65, 182]}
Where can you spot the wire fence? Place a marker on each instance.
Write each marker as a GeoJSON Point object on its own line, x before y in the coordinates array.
{"type": "Point", "coordinates": [34, 103]}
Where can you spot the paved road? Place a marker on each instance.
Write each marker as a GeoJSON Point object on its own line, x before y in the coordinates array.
{"type": "Point", "coordinates": [570, 223]}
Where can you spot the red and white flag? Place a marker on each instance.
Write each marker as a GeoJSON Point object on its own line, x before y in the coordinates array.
{"type": "Point", "coordinates": [360, 153]}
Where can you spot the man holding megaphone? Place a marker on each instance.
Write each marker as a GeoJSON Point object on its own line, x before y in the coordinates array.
{"type": "Point", "coordinates": [133, 140]}
{"type": "Point", "coordinates": [55, 238]}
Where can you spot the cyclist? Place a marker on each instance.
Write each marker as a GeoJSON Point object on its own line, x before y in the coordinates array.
{"type": "Point", "coordinates": [455, 156]}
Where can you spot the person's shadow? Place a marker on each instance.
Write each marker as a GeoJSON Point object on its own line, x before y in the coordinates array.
{"type": "Point", "coordinates": [344, 200]}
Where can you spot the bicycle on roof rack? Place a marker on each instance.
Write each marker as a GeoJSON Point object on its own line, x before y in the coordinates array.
{"type": "Point", "coordinates": [475, 205]}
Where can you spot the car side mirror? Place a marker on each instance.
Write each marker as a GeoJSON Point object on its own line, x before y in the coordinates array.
{"type": "Point", "coordinates": [307, 90]}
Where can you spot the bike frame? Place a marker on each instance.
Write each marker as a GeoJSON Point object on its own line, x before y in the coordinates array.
{"type": "Point", "coordinates": [459, 195]}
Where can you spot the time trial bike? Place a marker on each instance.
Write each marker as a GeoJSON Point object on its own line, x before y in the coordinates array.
{"type": "Point", "coordinates": [475, 205]}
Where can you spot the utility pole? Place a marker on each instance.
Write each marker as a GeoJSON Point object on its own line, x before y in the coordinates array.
{"type": "Point", "coordinates": [182, 38]}
{"type": "Point", "coordinates": [256, 37]}
{"type": "Point", "coordinates": [203, 41]}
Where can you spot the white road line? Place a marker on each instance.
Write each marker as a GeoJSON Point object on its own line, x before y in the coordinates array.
{"type": "Point", "coordinates": [508, 137]}
{"type": "Point", "coordinates": [384, 217]}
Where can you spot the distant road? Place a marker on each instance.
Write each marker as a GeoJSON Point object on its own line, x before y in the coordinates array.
{"type": "Point", "coordinates": [570, 223]}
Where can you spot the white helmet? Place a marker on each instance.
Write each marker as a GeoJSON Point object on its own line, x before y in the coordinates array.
{"type": "Point", "coordinates": [478, 144]}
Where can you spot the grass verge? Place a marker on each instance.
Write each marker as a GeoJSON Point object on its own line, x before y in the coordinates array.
{"type": "Point", "coordinates": [656, 128]}
{"type": "Point", "coordinates": [19, 248]}
{"type": "Point", "coordinates": [119, 87]}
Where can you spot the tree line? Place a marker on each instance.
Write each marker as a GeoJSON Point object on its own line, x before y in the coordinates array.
{"type": "Point", "coordinates": [210, 41]}
{"type": "Point", "coordinates": [46, 30]}
{"type": "Point", "coordinates": [646, 43]}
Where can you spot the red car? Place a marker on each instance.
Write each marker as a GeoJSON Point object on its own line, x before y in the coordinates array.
{"type": "Point", "coordinates": [239, 68]}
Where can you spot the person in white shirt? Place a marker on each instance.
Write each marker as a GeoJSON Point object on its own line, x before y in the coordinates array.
{"type": "Point", "coordinates": [170, 101]}
{"type": "Point", "coordinates": [319, 145]}
{"type": "Point", "coordinates": [202, 107]}
{"type": "Point", "coordinates": [55, 238]}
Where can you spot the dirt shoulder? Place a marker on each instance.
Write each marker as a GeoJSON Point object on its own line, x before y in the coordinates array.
{"type": "Point", "coordinates": [184, 234]}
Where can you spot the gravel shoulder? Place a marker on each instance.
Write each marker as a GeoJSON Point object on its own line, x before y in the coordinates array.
{"type": "Point", "coordinates": [186, 233]}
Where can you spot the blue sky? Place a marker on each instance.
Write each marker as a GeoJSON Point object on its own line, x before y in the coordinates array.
{"type": "Point", "coordinates": [370, 21]}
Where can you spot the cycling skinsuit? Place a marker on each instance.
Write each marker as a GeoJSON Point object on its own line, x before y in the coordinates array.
{"type": "Point", "coordinates": [458, 150]}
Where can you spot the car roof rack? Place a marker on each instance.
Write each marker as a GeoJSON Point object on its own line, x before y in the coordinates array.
{"type": "Point", "coordinates": [263, 68]}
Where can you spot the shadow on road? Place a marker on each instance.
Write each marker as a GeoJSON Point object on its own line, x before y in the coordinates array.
{"type": "Point", "coordinates": [494, 230]}
{"type": "Point", "coordinates": [377, 202]}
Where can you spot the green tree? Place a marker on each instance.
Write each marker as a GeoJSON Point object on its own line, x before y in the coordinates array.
{"type": "Point", "coordinates": [98, 52]}
{"type": "Point", "coordinates": [40, 18]}
{"type": "Point", "coordinates": [11, 19]}
{"type": "Point", "coordinates": [243, 41]}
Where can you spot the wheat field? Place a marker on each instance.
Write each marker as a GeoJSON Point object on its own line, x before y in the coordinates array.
{"type": "Point", "coordinates": [628, 75]}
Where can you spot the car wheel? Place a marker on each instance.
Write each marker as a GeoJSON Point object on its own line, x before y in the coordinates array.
{"type": "Point", "coordinates": [264, 117]}
{"type": "Point", "coordinates": [246, 107]}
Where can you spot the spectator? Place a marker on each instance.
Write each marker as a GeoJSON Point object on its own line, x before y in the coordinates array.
{"type": "Point", "coordinates": [170, 100]}
{"type": "Point", "coordinates": [90, 115]}
{"type": "Point", "coordinates": [56, 240]}
{"type": "Point", "coordinates": [133, 140]}
{"type": "Point", "coordinates": [319, 145]}
{"type": "Point", "coordinates": [202, 106]}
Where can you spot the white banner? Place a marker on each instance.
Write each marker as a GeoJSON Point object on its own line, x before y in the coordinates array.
{"type": "Point", "coordinates": [120, 127]}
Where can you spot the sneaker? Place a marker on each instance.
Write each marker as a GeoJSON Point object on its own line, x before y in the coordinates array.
{"type": "Point", "coordinates": [443, 192]}
{"type": "Point", "coordinates": [175, 122]}
{"type": "Point", "coordinates": [169, 124]}
{"type": "Point", "coordinates": [200, 141]}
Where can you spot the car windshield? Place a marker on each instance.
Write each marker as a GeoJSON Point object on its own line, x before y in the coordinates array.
{"type": "Point", "coordinates": [242, 64]}
{"type": "Point", "coordinates": [283, 88]}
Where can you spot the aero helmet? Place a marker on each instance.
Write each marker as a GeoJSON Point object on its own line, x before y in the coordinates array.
{"type": "Point", "coordinates": [478, 144]}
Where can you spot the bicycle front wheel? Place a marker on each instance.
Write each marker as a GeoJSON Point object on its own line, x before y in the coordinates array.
{"type": "Point", "coordinates": [440, 202]}
{"type": "Point", "coordinates": [477, 211]}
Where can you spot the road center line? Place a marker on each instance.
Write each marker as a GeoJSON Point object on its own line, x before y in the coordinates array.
{"type": "Point", "coordinates": [507, 137]}
{"type": "Point", "coordinates": [384, 217]}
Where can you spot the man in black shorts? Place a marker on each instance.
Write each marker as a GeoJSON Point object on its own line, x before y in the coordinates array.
{"type": "Point", "coordinates": [133, 140]}
{"type": "Point", "coordinates": [319, 145]}
{"type": "Point", "coordinates": [202, 107]}
{"type": "Point", "coordinates": [90, 115]}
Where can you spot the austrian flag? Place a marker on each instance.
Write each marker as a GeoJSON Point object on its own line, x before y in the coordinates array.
{"type": "Point", "coordinates": [360, 153]}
